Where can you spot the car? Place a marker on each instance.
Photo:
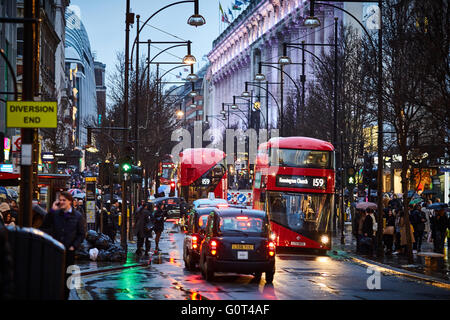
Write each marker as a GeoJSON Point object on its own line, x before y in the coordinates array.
{"type": "Point", "coordinates": [207, 202]}
{"type": "Point", "coordinates": [195, 233]}
{"type": "Point", "coordinates": [172, 205]}
{"type": "Point", "coordinates": [238, 241]}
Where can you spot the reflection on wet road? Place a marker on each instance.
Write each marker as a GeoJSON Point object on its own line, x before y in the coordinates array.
{"type": "Point", "coordinates": [297, 277]}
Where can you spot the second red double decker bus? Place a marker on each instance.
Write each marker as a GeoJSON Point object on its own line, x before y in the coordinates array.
{"type": "Point", "coordinates": [294, 183]}
{"type": "Point", "coordinates": [201, 171]}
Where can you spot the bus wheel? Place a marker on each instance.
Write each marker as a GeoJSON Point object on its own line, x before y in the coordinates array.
{"type": "Point", "coordinates": [269, 277]}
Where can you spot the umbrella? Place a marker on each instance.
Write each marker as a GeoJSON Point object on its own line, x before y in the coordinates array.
{"type": "Point", "coordinates": [12, 193]}
{"type": "Point", "coordinates": [412, 194]}
{"type": "Point", "coordinates": [366, 205]}
{"type": "Point", "coordinates": [75, 191]}
{"type": "Point", "coordinates": [437, 206]}
{"type": "Point", "coordinates": [416, 200]}
{"type": "Point", "coordinates": [80, 195]}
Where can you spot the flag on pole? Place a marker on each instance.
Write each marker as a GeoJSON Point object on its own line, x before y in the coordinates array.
{"type": "Point", "coordinates": [236, 5]}
{"type": "Point", "coordinates": [231, 14]}
{"type": "Point", "coordinates": [224, 15]}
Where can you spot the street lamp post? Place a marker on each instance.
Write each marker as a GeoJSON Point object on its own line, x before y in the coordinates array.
{"type": "Point", "coordinates": [195, 20]}
{"type": "Point", "coordinates": [380, 118]}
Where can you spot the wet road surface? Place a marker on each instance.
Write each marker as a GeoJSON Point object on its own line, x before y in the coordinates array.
{"type": "Point", "coordinates": [297, 277]}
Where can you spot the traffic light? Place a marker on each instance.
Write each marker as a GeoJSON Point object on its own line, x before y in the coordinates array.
{"type": "Point", "coordinates": [136, 174]}
{"type": "Point", "coordinates": [373, 182]}
{"type": "Point", "coordinates": [115, 173]}
{"type": "Point", "coordinates": [172, 189]}
{"type": "Point", "coordinates": [367, 170]}
{"type": "Point", "coordinates": [351, 176]}
{"type": "Point", "coordinates": [105, 172]}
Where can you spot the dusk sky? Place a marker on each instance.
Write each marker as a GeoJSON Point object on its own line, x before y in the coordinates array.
{"type": "Point", "coordinates": [104, 21]}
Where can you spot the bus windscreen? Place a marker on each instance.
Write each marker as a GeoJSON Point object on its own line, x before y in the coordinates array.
{"type": "Point", "coordinates": [300, 211]}
{"type": "Point", "coordinates": [297, 158]}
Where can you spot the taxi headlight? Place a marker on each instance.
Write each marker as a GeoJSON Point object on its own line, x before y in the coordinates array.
{"type": "Point", "coordinates": [273, 236]}
{"type": "Point", "coordinates": [324, 239]}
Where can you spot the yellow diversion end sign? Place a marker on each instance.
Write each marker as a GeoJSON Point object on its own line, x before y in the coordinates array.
{"type": "Point", "coordinates": [31, 114]}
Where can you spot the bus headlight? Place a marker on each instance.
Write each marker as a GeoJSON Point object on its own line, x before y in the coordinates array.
{"type": "Point", "coordinates": [273, 236]}
{"type": "Point", "coordinates": [324, 239]}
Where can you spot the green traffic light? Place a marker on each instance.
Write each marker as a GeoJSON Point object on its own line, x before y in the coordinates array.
{"type": "Point", "coordinates": [126, 167]}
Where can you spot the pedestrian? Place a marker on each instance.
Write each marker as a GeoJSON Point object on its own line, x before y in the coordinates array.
{"type": "Point", "coordinates": [428, 214]}
{"type": "Point", "coordinates": [359, 221]}
{"type": "Point", "coordinates": [439, 226]}
{"type": "Point", "coordinates": [5, 215]}
{"type": "Point", "coordinates": [144, 228]}
{"type": "Point", "coordinates": [114, 219]}
{"type": "Point", "coordinates": [367, 231]}
{"type": "Point", "coordinates": [418, 221]}
{"type": "Point", "coordinates": [403, 238]}
{"type": "Point", "coordinates": [158, 219]}
{"type": "Point", "coordinates": [395, 203]}
{"type": "Point", "coordinates": [66, 225]}
{"type": "Point", "coordinates": [388, 232]}
{"type": "Point", "coordinates": [184, 209]}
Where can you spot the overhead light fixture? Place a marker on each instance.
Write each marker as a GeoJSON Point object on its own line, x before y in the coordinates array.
{"type": "Point", "coordinates": [189, 59]}
{"type": "Point", "coordinates": [193, 93]}
{"type": "Point", "coordinates": [234, 107]}
{"type": "Point", "coordinates": [223, 112]}
{"type": "Point", "coordinates": [311, 22]}
{"type": "Point", "coordinates": [260, 77]}
{"type": "Point", "coordinates": [196, 20]}
{"type": "Point", "coordinates": [245, 94]}
{"type": "Point", "coordinates": [224, 117]}
{"type": "Point", "coordinates": [193, 105]}
{"type": "Point", "coordinates": [192, 77]}
{"type": "Point", "coordinates": [180, 113]}
{"type": "Point", "coordinates": [284, 60]}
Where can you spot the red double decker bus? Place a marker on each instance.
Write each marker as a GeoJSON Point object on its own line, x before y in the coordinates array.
{"type": "Point", "coordinates": [201, 171]}
{"type": "Point", "coordinates": [294, 183]}
{"type": "Point", "coordinates": [167, 170]}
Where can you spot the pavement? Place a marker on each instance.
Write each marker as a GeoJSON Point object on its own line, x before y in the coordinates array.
{"type": "Point", "coordinates": [425, 265]}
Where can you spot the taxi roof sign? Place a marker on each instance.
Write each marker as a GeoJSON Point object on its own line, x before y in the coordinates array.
{"type": "Point", "coordinates": [31, 114]}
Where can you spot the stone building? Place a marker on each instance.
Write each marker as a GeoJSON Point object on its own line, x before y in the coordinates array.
{"type": "Point", "coordinates": [257, 35]}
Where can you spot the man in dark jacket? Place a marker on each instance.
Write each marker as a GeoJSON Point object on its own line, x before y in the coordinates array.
{"type": "Point", "coordinates": [114, 219]}
{"type": "Point", "coordinates": [439, 225]}
{"type": "Point", "coordinates": [66, 225]}
{"type": "Point", "coordinates": [158, 218]}
{"type": "Point", "coordinates": [142, 228]}
{"type": "Point", "coordinates": [367, 229]}
{"type": "Point", "coordinates": [418, 219]}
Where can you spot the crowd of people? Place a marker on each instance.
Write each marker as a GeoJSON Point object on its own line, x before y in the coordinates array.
{"type": "Point", "coordinates": [431, 225]}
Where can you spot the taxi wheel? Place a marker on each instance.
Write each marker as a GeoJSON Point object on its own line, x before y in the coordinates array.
{"type": "Point", "coordinates": [269, 277]}
{"type": "Point", "coordinates": [208, 272]}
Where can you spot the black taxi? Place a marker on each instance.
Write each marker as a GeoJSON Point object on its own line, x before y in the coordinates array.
{"type": "Point", "coordinates": [195, 233]}
{"type": "Point", "coordinates": [239, 241]}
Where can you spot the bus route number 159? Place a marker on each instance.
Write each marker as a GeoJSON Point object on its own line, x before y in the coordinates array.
{"type": "Point", "coordinates": [318, 182]}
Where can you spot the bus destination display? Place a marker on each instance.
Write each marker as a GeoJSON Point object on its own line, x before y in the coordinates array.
{"type": "Point", "coordinates": [307, 182]}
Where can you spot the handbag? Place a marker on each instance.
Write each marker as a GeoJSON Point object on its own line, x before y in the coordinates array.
{"type": "Point", "coordinates": [389, 230]}
{"type": "Point", "coordinates": [366, 241]}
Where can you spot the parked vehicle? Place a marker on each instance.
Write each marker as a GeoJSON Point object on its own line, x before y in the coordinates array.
{"type": "Point", "coordinates": [238, 241]}
{"type": "Point", "coordinates": [172, 205]}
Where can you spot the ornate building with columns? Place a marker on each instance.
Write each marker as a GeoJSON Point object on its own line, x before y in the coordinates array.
{"type": "Point", "coordinates": [257, 35]}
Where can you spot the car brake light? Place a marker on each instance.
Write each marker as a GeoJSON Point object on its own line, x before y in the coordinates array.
{"type": "Point", "coordinates": [213, 244]}
{"type": "Point", "coordinates": [194, 242]}
{"type": "Point", "coordinates": [271, 247]}
{"type": "Point", "coordinates": [242, 218]}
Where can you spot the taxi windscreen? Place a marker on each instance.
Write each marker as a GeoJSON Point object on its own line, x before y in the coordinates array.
{"type": "Point", "coordinates": [242, 223]}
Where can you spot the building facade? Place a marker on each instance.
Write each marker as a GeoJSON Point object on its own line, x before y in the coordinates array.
{"type": "Point", "coordinates": [257, 35]}
{"type": "Point", "coordinates": [80, 70]}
